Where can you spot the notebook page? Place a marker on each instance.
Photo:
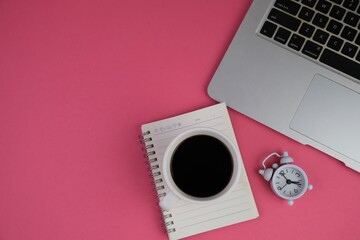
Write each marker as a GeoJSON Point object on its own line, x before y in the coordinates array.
{"type": "Point", "coordinates": [187, 218]}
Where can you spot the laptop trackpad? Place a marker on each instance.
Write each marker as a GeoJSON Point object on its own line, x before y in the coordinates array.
{"type": "Point", "coordinates": [330, 114]}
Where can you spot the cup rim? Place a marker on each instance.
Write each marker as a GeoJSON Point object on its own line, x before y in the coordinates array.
{"type": "Point", "coordinates": [235, 154]}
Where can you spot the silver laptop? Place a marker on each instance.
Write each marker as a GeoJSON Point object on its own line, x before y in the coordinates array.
{"type": "Point", "coordinates": [295, 66]}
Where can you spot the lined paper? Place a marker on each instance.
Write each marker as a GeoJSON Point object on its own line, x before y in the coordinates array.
{"type": "Point", "coordinates": [188, 218]}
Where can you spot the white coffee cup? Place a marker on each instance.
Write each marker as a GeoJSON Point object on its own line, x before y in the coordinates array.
{"type": "Point", "coordinates": [175, 193]}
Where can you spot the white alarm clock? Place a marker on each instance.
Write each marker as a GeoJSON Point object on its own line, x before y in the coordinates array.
{"type": "Point", "coordinates": [287, 181]}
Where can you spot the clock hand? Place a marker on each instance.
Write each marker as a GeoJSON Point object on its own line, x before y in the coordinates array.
{"type": "Point", "coordinates": [283, 186]}
{"type": "Point", "coordinates": [297, 182]}
{"type": "Point", "coordinates": [288, 181]}
{"type": "Point", "coordinates": [283, 174]}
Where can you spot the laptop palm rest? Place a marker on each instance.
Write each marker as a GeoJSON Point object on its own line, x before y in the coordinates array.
{"type": "Point", "coordinates": [329, 114]}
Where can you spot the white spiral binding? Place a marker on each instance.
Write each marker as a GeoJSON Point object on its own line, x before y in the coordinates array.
{"type": "Point", "coordinates": [155, 174]}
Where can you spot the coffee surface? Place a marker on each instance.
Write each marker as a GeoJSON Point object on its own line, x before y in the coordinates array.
{"type": "Point", "coordinates": [201, 166]}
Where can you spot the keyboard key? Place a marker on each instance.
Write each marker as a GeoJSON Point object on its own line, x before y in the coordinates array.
{"type": "Point", "coordinates": [320, 20]}
{"type": "Point", "coordinates": [287, 6]}
{"type": "Point", "coordinates": [349, 50]}
{"type": "Point", "coordinates": [358, 57]}
{"type": "Point", "coordinates": [334, 27]}
{"type": "Point", "coordinates": [341, 63]}
{"type": "Point", "coordinates": [296, 42]}
{"type": "Point", "coordinates": [268, 29]}
{"type": "Point", "coordinates": [309, 3]}
{"type": "Point", "coordinates": [351, 19]}
{"type": "Point", "coordinates": [357, 41]}
{"type": "Point", "coordinates": [312, 49]}
{"type": "Point", "coordinates": [348, 33]}
{"type": "Point", "coordinates": [306, 30]}
{"type": "Point", "coordinates": [337, 12]}
{"type": "Point", "coordinates": [282, 35]}
{"type": "Point", "coordinates": [323, 6]}
{"type": "Point", "coordinates": [306, 14]}
{"type": "Point", "coordinates": [351, 4]}
{"type": "Point", "coordinates": [337, 1]}
{"type": "Point", "coordinates": [335, 43]}
{"type": "Point", "coordinates": [321, 36]}
{"type": "Point", "coordinates": [284, 19]}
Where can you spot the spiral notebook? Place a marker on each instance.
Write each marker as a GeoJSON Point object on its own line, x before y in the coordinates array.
{"type": "Point", "coordinates": [187, 219]}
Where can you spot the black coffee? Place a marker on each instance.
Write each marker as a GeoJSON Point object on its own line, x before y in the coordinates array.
{"type": "Point", "coordinates": [201, 166]}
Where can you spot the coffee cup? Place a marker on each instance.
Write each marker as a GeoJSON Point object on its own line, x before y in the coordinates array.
{"type": "Point", "coordinates": [200, 165]}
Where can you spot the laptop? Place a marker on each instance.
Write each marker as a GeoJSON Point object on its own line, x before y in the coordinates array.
{"type": "Point", "coordinates": [294, 66]}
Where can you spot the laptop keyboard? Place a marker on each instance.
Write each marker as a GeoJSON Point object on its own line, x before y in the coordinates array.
{"type": "Point", "coordinates": [325, 31]}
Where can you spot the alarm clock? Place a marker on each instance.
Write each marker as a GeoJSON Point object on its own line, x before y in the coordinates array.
{"type": "Point", "coordinates": [288, 181]}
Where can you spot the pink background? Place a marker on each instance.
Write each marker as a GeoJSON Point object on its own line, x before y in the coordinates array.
{"type": "Point", "coordinates": [79, 77]}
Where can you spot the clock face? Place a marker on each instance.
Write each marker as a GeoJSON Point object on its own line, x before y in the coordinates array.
{"type": "Point", "coordinates": [289, 181]}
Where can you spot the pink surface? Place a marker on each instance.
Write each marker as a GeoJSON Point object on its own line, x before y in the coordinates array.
{"type": "Point", "coordinates": [78, 78]}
